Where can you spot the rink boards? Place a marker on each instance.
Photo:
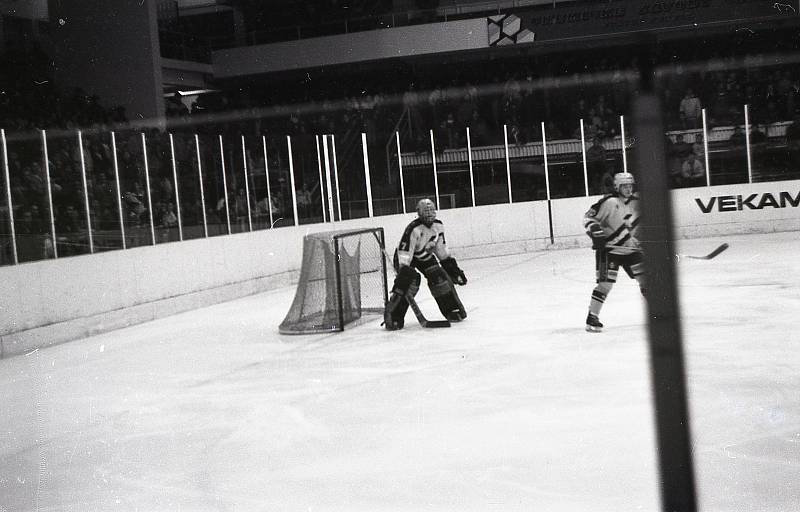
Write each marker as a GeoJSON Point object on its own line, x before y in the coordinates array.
{"type": "Point", "coordinates": [49, 302]}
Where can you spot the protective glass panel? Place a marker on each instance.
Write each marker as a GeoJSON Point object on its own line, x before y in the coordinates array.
{"type": "Point", "coordinates": [774, 145]}
{"type": "Point", "coordinates": [162, 187]}
{"type": "Point", "coordinates": [565, 160]}
{"type": "Point", "coordinates": [452, 166]}
{"type": "Point", "coordinates": [256, 182]}
{"type": "Point", "coordinates": [133, 183]}
{"type": "Point", "coordinates": [280, 180]}
{"type": "Point", "coordinates": [240, 206]}
{"type": "Point", "coordinates": [69, 210]}
{"type": "Point", "coordinates": [526, 160]}
{"type": "Point", "coordinates": [104, 202]}
{"type": "Point", "coordinates": [488, 165]}
{"type": "Point", "coordinates": [384, 168]}
{"type": "Point", "coordinates": [310, 185]}
{"type": "Point", "coordinates": [727, 151]}
{"type": "Point", "coordinates": [29, 196]}
{"type": "Point", "coordinates": [418, 175]}
{"type": "Point", "coordinates": [217, 206]}
{"type": "Point", "coordinates": [347, 174]}
{"type": "Point", "coordinates": [188, 206]}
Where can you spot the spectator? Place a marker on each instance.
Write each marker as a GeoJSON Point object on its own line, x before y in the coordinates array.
{"type": "Point", "coordinates": [606, 130]}
{"type": "Point", "coordinates": [690, 110]}
{"type": "Point", "coordinates": [464, 111]}
{"type": "Point", "coordinates": [165, 188]}
{"type": "Point", "coordinates": [698, 148]}
{"type": "Point", "coordinates": [596, 164]}
{"type": "Point", "coordinates": [263, 207]}
{"type": "Point", "coordinates": [737, 138]}
{"type": "Point", "coordinates": [758, 146]}
{"type": "Point", "coordinates": [607, 182]}
{"type": "Point", "coordinates": [479, 130]}
{"type": "Point", "coordinates": [450, 132]}
{"type": "Point", "coordinates": [134, 206]}
{"type": "Point", "coordinates": [679, 151]}
{"type": "Point", "coordinates": [692, 172]}
{"type": "Point", "coordinates": [240, 207]}
{"type": "Point", "coordinates": [721, 108]}
{"type": "Point", "coordinates": [681, 148]}
{"type": "Point", "coordinates": [169, 219]}
{"type": "Point", "coordinates": [793, 133]}
{"type": "Point", "coordinates": [757, 136]}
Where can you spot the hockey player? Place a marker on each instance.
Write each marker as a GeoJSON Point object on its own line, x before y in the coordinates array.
{"type": "Point", "coordinates": [612, 223]}
{"type": "Point", "coordinates": [423, 247]}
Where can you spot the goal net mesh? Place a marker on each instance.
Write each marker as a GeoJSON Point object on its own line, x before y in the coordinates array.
{"type": "Point", "coordinates": [342, 277]}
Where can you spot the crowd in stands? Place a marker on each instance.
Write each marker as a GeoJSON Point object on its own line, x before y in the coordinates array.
{"type": "Point", "coordinates": [31, 101]}
{"type": "Point", "coordinates": [413, 99]}
{"type": "Point", "coordinates": [449, 97]}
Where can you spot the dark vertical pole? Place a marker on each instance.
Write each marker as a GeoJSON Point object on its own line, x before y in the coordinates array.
{"type": "Point", "coordinates": [666, 349]}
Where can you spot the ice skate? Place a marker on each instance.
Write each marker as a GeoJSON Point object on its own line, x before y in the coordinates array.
{"type": "Point", "coordinates": [593, 323]}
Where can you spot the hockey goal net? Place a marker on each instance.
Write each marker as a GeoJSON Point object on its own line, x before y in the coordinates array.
{"type": "Point", "coordinates": [343, 276]}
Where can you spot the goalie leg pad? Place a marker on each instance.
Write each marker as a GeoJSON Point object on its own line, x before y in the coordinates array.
{"type": "Point", "coordinates": [445, 294]}
{"type": "Point", "coordinates": [395, 312]}
{"type": "Point", "coordinates": [405, 278]}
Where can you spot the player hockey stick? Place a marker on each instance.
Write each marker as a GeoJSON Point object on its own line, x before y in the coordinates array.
{"type": "Point", "coordinates": [712, 254]}
{"type": "Point", "coordinates": [424, 322]}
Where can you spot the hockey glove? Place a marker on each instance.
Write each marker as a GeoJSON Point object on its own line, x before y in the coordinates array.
{"type": "Point", "coordinates": [456, 274]}
{"type": "Point", "coordinates": [598, 236]}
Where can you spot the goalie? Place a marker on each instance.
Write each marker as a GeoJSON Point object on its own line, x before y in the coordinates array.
{"type": "Point", "coordinates": [423, 248]}
{"type": "Point", "coordinates": [612, 223]}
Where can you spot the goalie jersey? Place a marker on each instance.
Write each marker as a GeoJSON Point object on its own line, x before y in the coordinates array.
{"type": "Point", "coordinates": [420, 243]}
{"type": "Point", "coordinates": [618, 217]}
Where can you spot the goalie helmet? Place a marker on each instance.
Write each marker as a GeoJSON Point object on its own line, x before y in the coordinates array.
{"type": "Point", "coordinates": [623, 178]}
{"type": "Point", "coordinates": [426, 211]}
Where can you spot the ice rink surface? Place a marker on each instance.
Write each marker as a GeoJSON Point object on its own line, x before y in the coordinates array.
{"type": "Point", "coordinates": [517, 408]}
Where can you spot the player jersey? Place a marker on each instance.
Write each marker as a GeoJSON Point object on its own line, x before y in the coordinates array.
{"type": "Point", "coordinates": [619, 219]}
{"type": "Point", "coordinates": [420, 243]}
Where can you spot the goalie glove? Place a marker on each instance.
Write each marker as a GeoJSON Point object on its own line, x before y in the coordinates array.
{"type": "Point", "coordinates": [597, 235]}
{"type": "Point", "coordinates": [456, 274]}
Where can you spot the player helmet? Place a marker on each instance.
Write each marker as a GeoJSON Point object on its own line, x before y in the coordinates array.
{"type": "Point", "coordinates": [426, 211]}
{"type": "Point", "coordinates": [623, 178]}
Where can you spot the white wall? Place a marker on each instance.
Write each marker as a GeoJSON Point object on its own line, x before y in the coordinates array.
{"type": "Point", "coordinates": [49, 302]}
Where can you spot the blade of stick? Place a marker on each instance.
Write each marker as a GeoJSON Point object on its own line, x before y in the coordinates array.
{"type": "Point", "coordinates": [424, 322]}
{"type": "Point", "coordinates": [712, 254]}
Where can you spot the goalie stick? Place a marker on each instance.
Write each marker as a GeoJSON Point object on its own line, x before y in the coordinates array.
{"type": "Point", "coordinates": [711, 255]}
{"type": "Point", "coordinates": [424, 322]}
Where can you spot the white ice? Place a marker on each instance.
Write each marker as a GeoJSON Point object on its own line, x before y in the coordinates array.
{"type": "Point", "coordinates": [517, 408]}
